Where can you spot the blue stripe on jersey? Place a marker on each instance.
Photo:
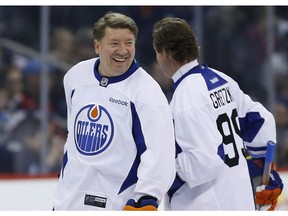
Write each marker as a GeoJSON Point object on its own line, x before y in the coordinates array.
{"type": "Point", "coordinates": [64, 162]}
{"type": "Point", "coordinates": [72, 93]}
{"type": "Point", "coordinates": [250, 125]}
{"type": "Point", "coordinates": [263, 148]}
{"type": "Point", "coordinates": [134, 66]}
{"type": "Point", "coordinates": [212, 79]}
{"type": "Point", "coordinates": [220, 151]}
{"type": "Point", "coordinates": [141, 148]}
{"type": "Point", "coordinates": [178, 149]}
{"type": "Point", "coordinates": [178, 182]}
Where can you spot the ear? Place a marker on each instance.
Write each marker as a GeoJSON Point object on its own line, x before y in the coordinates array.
{"type": "Point", "coordinates": [166, 54]}
{"type": "Point", "coordinates": [96, 46]}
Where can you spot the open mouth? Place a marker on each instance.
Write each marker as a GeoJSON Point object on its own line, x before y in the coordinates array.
{"type": "Point", "coordinates": [120, 59]}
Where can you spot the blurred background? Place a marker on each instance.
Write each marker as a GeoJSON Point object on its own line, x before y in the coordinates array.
{"type": "Point", "coordinates": [38, 44]}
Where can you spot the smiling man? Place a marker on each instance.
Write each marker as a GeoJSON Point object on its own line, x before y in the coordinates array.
{"type": "Point", "coordinates": [116, 51]}
{"type": "Point", "coordinates": [119, 153]}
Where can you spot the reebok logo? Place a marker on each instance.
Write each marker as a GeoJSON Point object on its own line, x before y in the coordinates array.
{"type": "Point", "coordinates": [117, 101]}
{"type": "Point", "coordinates": [214, 80]}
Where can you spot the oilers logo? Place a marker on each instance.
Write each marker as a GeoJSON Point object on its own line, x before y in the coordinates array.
{"type": "Point", "coordinates": [93, 129]}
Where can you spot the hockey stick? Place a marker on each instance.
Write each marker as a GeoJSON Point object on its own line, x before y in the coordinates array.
{"type": "Point", "coordinates": [268, 162]}
{"type": "Point", "coordinates": [267, 166]}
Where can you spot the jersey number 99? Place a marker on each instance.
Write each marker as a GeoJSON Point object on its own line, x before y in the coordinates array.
{"type": "Point", "coordinates": [228, 136]}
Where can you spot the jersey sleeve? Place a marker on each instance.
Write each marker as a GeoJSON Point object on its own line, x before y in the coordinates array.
{"type": "Point", "coordinates": [257, 124]}
{"type": "Point", "coordinates": [68, 94]}
{"type": "Point", "coordinates": [156, 170]}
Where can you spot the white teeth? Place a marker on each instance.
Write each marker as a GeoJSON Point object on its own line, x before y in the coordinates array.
{"type": "Point", "coordinates": [120, 60]}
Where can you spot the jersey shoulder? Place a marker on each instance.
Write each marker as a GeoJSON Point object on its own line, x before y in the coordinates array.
{"type": "Point", "coordinates": [81, 66]}
{"type": "Point", "coordinates": [145, 89]}
{"type": "Point", "coordinates": [80, 72]}
{"type": "Point", "coordinates": [196, 88]}
{"type": "Point", "coordinates": [230, 81]}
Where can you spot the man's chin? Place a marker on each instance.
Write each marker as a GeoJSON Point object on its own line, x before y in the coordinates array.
{"type": "Point", "coordinates": [121, 69]}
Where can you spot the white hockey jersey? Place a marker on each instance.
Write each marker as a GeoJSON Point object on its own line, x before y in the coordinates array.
{"type": "Point", "coordinates": [120, 142]}
{"type": "Point", "coordinates": [213, 119]}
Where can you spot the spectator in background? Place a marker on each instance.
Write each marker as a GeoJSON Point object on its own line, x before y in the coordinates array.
{"type": "Point", "coordinates": [282, 92]}
{"type": "Point", "coordinates": [3, 115]}
{"type": "Point", "coordinates": [14, 85]}
{"type": "Point", "coordinates": [13, 111]}
{"type": "Point", "coordinates": [145, 16]}
{"type": "Point", "coordinates": [31, 76]}
{"type": "Point", "coordinates": [63, 45]}
{"type": "Point", "coordinates": [27, 135]}
{"type": "Point", "coordinates": [15, 108]}
{"type": "Point", "coordinates": [20, 130]}
{"type": "Point", "coordinates": [28, 157]}
{"type": "Point", "coordinates": [84, 41]}
{"type": "Point", "coordinates": [64, 49]}
{"type": "Point", "coordinates": [57, 137]}
{"type": "Point", "coordinates": [281, 118]}
{"type": "Point", "coordinates": [5, 155]}
{"type": "Point", "coordinates": [32, 84]}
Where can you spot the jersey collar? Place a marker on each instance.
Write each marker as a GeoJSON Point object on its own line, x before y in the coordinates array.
{"type": "Point", "coordinates": [105, 81]}
{"type": "Point", "coordinates": [211, 78]}
{"type": "Point", "coordinates": [183, 70]}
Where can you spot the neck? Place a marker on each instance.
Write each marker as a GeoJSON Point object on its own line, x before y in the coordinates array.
{"type": "Point", "coordinates": [175, 66]}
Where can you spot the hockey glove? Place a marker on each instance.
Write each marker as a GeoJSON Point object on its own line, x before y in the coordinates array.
{"type": "Point", "coordinates": [145, 203]}
{"type": "Point", "coordinates": [267, 195]}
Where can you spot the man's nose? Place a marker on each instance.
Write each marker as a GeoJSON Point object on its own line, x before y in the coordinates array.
{"type": "Point", "coordinates": [122, 49]}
